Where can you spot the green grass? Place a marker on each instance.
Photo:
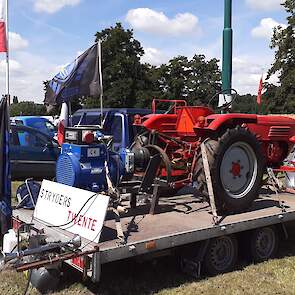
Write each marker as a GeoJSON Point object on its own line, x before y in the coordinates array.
{"type": "Point", "coordinates": [162, 276]}
{"type": "Point", "coordinates": [14, 186]}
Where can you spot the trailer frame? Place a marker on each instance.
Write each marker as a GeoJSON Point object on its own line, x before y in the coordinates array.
{"type": "Point", "coordinates": [168, 230]}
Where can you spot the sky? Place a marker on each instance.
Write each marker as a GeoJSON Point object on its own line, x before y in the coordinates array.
{"type": "Point", "coordinates": [47, 34]}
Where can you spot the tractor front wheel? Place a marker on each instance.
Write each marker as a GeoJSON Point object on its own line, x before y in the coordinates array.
{"type": "Point", "coordinates": [236, 166]}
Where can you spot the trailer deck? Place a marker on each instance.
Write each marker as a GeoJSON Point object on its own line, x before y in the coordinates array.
{"type": "Point", "coordinates": [179, 220]}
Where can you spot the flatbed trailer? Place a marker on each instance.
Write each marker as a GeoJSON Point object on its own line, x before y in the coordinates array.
{"type": "Point", "coordinates": [180, 222]}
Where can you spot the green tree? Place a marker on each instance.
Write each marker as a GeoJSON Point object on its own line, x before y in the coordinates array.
{"type": "Point", "coordinates": [27, 108]}
{"type": "Point", "coordinates": [15, 99]}
{"type": "Point", "coordinates": [195, 80]}
{"type": "Point", "coordinates": [148, 87]}
{"type": "Point", "coordinates": [204, 80]}
{"type": "Point", "coordinates": [122, 70]}
{"type": "Point", "coordinates": [245, 104]}
{"type": "Point", "coordinates": [174, 77]}
{"type": "Point", "coordinates": [283, 41]}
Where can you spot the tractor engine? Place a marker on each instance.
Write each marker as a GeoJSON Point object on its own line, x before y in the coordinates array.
{"type": "Point", "coordinates": [85, 158]}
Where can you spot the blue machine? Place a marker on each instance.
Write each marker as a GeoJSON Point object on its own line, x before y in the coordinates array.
{"type": "Point", "coordinates": [83, 166]}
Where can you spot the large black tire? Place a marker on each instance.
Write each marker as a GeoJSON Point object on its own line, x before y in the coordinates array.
{"type": "Point", "coordinates": [221, 255]}
{"type": "Point", "coordinates": [264, 243]}
{"type": "Point", "coordinates": [234, 186]}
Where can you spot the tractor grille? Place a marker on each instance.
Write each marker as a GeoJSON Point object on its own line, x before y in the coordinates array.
{"type": "Point", "coordinates": [279, 131]}
{"type": "Point", "coordinates": [65, 172]}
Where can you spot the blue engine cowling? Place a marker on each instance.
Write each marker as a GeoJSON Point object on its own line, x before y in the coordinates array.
{"type": "Point", "coordinates": [83, 166]}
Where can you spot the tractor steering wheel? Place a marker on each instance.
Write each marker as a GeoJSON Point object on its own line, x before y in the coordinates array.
{"type": "Point", "coordinates": [227, 105]}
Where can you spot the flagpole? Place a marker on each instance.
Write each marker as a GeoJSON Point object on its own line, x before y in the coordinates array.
{"type": "Point", "coordinates": [100, 82]}
{"type": "Point", "coordinates": [7, 52]}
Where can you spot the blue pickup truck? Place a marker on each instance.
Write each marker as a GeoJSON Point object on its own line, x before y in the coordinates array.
{"type": "Point", "coordinates": [118, 123]}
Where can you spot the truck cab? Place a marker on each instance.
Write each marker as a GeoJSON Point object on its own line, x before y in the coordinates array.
{"type": "Point", "coordinates": [118, 123]}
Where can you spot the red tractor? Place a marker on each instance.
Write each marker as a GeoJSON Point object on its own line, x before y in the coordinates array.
{"type": "Point", "coordinates": [239, 148]}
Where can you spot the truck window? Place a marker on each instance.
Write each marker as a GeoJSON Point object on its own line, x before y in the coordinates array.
{"type": "Point", "coordinates": [117, 129]}
{"type": "Point", "coordinates": [86, 119]}
{"type": "Point", "coordinates": [28, 138]}
{"type": "Point", "coordinates": [18, 122]}
{"type": "Point", "coordinates": [49, 126]}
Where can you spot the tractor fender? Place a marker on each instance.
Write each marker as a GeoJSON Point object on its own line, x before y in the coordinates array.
{"type": "Point", "coordinates": [217, 121]}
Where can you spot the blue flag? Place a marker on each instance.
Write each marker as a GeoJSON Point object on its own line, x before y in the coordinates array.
{"type": "Point", "coordinates": [5, 175]}
{"type": "Point", "coordinates": [79, 78]}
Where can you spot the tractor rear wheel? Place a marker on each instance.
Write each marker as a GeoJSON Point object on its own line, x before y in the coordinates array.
{"type": "Point", "coordinates": [236, 166]}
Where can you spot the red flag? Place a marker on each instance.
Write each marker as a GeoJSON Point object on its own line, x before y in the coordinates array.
{"type": "Point", "coordinates": [3, 40]}
{"type": "Point", "coordinates": [259, 95]}
{"type": "Point", "coordinates": [63, 122]}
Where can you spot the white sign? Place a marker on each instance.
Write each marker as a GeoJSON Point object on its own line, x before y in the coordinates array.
{"type": "Point", "coordinates": [75, 210]}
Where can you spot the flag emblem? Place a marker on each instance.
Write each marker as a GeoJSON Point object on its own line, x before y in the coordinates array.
{"type": "Point", "coordinates": [3, 41]}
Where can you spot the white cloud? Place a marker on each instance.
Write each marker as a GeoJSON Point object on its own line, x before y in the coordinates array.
{"type": "Point", "coordinates": [52, 6]}
{"type": "Point", "coordinates": [148, 20]}
{"type": "Point", "coordinates": [247, 71]}
{"type": "Point", "coordinates": [265, 29]}
{"type": "Point", "coordinates": [17, 42]}
{"type": "Point", "coordinates": [14, 66]}
{"type": "Point", "coordinates": [154, 56]}
{"type": "Point", "coordinates": [27, 73]}
{"type": "Point", "coordinates": [265, 5]}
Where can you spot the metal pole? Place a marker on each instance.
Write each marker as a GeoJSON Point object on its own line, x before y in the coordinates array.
{"type": "Point", "coordinates": [227, 48]}
{"type": "Point", "coordinates": [100, 82]}
{"type": "Point", "coordinates": [7, 51]}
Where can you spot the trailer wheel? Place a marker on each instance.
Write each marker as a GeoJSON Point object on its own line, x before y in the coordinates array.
{"type": "Point", "coordinates": [264, 243]}
{"type": "Point", "coordinates": [236, 166]}
{"type": "Point", "coordinates": [221, 255]}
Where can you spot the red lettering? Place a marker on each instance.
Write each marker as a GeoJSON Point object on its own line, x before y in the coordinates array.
{"type": "Point", "coordinates": [85, 219]}
{"type": "Point", "coordinates": [69, 214]}
{"type": "Point", "coordinates": [74, 217]}
{"type": "Point", "coordinates": [93, 224]}
{"type": "Point", "coordinates": [90, 219]}
{"type": "Point", "coordinates": [80, 219]}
